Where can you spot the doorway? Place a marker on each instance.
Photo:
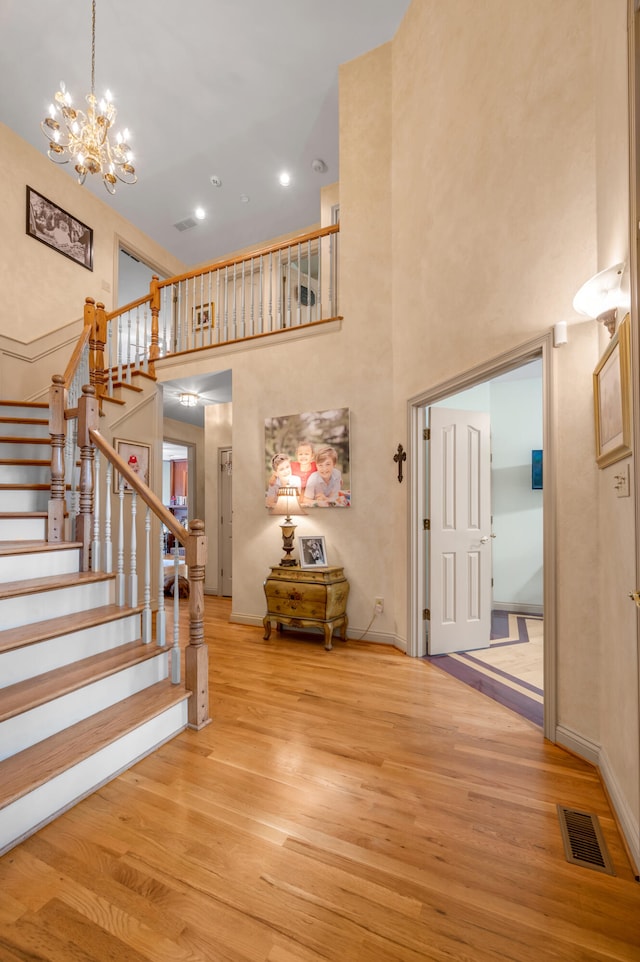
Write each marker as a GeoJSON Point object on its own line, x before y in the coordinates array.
{"type": "Point", "coordinates": [515, 390]}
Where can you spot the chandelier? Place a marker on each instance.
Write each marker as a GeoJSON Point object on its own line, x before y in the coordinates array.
{"type": "Point", "coordinates": [83, 138]}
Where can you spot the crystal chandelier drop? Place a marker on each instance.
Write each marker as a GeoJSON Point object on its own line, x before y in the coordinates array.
{"type": "Point", "coordinates": [83, 138]}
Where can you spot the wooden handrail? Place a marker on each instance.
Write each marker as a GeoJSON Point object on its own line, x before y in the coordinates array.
{"type": "Point", "coordinates": [129, 307]}
{"type": "Point", "coordinates": [140, 487]}
{"type": "Point", "coordinates": [78, 350]}
{"type": "Point", "coordinates": [259, 252]}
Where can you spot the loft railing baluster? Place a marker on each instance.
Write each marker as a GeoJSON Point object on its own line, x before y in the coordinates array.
{"type": "Point", "coordinates": [271, 290]}
{"type": "Point", "coordinates": [279, 280]}
{"type": "Point", "coordinates": [261, 297]}
{"type": "Point", "coordinates": [242, 301]}
{"type": "Point", "coordinates": [252, 279]}
{"type": "Point", "coordinates": [218, 315]}
{"type": "Point", "coordinates": [226, 303]}
{"type": "Point", "coordinates": [288, 316]}
{"type": "Point", "coordinates": [309, 288]}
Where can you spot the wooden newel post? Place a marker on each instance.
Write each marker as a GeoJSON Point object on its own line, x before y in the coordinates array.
{"type": "Point", "coordinates": [98, 319]}
{"type": "Point", "coordinates": [57, 504]}
{"type": "Point", "coordinates": [87, 421]}
{"type": "Point", "coordinates": [154, 348]}
{"type": "Point", "coordinates": [196, 653]}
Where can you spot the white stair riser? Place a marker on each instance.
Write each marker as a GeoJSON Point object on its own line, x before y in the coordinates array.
{"type": "Point", "coordinates": [32, 660]}
{"type": "Point", "coordinates": [18, 429]}
{"type": "Point", "coordinates": [16, 500]}
{"type": "Point", "coordinates": [26, 473]}
{"type": "Point", "coordinates": [39, 564]}
{"type": "Point", "coordinates": [14, 449]}
{"type": "Point", "coordinates": [33, 726]}
{"type": "Point", "coordinates": [24, 816]}
{"type": "Point", "coordinates": [23, 529]}
{"type": "Point", "coordinates": [24, 411]}
{"type": "Point", "coordinates": [25, 609]}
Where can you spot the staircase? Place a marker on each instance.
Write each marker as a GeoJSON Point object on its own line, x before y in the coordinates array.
{"type": "Point", "coordinates": [81, 697]}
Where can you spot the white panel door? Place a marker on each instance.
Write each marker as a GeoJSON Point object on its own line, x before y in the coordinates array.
{"type": "Point", "coordinates": [459, 560]}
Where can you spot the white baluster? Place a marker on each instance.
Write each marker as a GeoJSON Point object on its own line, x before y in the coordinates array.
{"type": "Point", "coordinates": [120, 580]}
{"type": "Point", "coordinates": [139, 343]}
{"type": "Point", "coordinates": [219, 316]}
{"type": "Point", "coordinates": [120, 346]}
{"type": "Point", "coordinates": [108, 544]}
{"type": "Point", "coordinates": [128, 347]}
{"type": "Point", "coordinates": [161, 618]}
{"type": "Point", "coordinates": [261, 300]}
{"type": "Point", "coordinates": [234, 327]}
{"type": "Point", "coordinates": [133, 572]}
{"type": "Point", "coordinates": [146, 613]}
{"type": "Point", "coordinates": [226, 304]}
{"type": "Point", "coordinates": [110, 359]}
{"type": "Point", "coordinates": [95, 544]}
{"type": "Point", "coordinates": [175, 650]}
{"type": "Point", "coordinates": [270, 290]}
{"type": "Point", "coordinates": [242, 301]}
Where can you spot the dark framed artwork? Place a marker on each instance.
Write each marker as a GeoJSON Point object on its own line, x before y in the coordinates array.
{"type": "Point", "coordinates": [53, 226]}
{"type": "Point", "coordinates": [310, 452]}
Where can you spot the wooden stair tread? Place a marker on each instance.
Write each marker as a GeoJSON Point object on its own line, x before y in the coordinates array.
{"type": "Point", "coordinates": [35, 766]}
{"type": "Point", "coordinates": [35, 547]}
{"type": "Point", "coordinates": [113, 400]}
{"type": "Point", "coordinates": [24, 635]}
{"type": "Point", "coordinates": [30, 586]}
{"type": "Point", "coordinates": [130, 387]}
{"type": "Point", "coordinates": [41, 689]}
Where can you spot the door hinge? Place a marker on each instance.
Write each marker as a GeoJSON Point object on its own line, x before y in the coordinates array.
{"type": "Point", "coordinates": [492, 582]}
{"type": "Point", "coordinates": [426, 614]}
{"type": "Point", "coordinates": [426, 524]}
{"type": "Point", "coordinates": [426, 434]}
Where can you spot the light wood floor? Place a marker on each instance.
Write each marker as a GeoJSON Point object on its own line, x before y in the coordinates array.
{"type": "Point", "coordinates": [346, 806]}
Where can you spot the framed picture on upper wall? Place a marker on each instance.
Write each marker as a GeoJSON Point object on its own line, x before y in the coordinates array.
{"type": "Point", "coordinates": [612, 399]}
{"type": "Point", "coordinates": [53, 226]}
{"type": "Point", "coordinates": [309, 452]}
{"type": "Point", "coordinates": [137, 457]}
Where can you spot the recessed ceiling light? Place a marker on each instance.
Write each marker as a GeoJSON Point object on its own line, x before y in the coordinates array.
{"type": "Point", "coordinates": [285, 179]}
{"type": "Point", "coordinates": [199, 213]}
{"type": "Point", "coordinates": [245, 198]}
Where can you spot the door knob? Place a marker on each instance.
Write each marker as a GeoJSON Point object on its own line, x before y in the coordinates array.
{"type": "Point", "coordinates": [485, 538]}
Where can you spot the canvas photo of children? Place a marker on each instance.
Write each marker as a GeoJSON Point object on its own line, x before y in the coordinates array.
{"type": "Point", "coordinates": [310, 452]}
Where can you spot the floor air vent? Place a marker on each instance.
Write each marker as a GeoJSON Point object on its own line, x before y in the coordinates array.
{"type": "Point", "coordinates": [583, 841]}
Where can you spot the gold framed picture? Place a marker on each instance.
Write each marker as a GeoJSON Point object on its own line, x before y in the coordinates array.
{"type": "Point", "coordinates": [204, 316]}
{"type": "Point", "coordinates": [612, 399]}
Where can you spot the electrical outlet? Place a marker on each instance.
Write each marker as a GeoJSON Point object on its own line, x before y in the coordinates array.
{"type": "Point", "coordinates": [379, 605]}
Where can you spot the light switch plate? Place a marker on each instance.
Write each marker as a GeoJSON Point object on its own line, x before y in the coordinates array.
{"type": "Point", "coordinates": [621, 482]}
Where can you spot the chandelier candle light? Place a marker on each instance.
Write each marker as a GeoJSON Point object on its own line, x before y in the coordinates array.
{"type": "Point", "coordinates": [83, 138]}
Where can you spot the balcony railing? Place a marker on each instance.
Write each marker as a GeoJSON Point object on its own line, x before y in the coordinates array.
{"type": "Point", "coordinates": [277, 288]}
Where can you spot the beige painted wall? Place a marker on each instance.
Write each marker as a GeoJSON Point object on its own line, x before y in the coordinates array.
{"type": "Point", "coordinates": [56, 286]}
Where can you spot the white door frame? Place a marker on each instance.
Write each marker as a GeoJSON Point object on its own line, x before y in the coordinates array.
{"type": "Point", "coordinates": [539, 347]}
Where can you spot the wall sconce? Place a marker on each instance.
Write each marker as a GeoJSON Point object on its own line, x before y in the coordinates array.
{"type": "Point", "coordinates": [560, 334]}
{"type": "Point", "coordinates": [188, 400]}
{"type": "Point", "coordinates": [289, 506]}
{"type": "Point", "coordinates": [601, 297]}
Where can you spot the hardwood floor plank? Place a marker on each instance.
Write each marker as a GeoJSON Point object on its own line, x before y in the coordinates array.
{"type": "Point", "coordinates": [344, 806]}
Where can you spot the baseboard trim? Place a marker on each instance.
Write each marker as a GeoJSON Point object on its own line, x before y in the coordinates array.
{"type": "Point", "coordinates": [517, 609]}
{"type": "Point", "coordinates": [627, 824]}
{"type": "Point", "coordinates": [578, 745]}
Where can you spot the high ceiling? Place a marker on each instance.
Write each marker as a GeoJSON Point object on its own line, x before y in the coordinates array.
{"type": "Point", "coordinates": [234, 89]}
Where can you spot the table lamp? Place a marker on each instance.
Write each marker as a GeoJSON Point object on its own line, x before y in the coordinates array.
{"type": "Point", "coordinates": [288, 505]}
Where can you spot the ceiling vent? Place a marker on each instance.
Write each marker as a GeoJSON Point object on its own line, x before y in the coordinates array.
{"type": "Point", "coordinates": [186, 224]}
